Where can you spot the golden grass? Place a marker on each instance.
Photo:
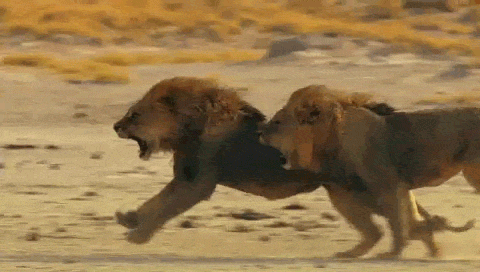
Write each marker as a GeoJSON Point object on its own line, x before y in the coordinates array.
{"type": "Point", "coordinates": [113, 67]}
{"type": "Point", "coordinates": [107, 19]}
{"type": "Point", "coordinates": [82, 70]}
{"type": "Point", "coordinates": [30, 60]}
{"type": "Point", "coordinates": [179, 56]}
{"type": "Point", "coordinates": [465, 97]}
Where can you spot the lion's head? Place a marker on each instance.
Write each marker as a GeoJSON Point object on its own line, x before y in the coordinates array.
{"type": "Point", "coordinates": [305, 130]}
{"type": "Point", "coordinates": [183, 109]}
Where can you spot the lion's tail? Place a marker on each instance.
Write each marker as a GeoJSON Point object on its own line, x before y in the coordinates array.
{"type": "Point", "coordinates": [441, 223]}
{"type": "Point", "coordinates": [469, 225]}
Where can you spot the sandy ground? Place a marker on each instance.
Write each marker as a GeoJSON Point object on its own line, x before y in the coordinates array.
{"type": "Point", "coordinates": [58, 198]}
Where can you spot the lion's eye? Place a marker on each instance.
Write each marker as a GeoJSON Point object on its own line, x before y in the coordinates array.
{"type": "Point", "coordinates": [276, 122]}
{"type": "Point", "coordinates": [134, 116]}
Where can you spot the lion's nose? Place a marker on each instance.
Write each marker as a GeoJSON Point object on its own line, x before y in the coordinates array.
{"type": "Point", "coordinates": [116, 127]}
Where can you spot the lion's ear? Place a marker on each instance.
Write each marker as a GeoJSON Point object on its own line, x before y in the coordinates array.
{"type": "Point", "coordinates": [307, 114]}
{"type": "Point", "coordinates": [381, 109]}
{"type": "Point", "coordinates": [168, 100]}
{"type": "Point", "coordinates": [252, 113]}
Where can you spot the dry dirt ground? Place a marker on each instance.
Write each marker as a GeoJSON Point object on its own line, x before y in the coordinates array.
{"type": "Point", "coordinates": [59, 193]}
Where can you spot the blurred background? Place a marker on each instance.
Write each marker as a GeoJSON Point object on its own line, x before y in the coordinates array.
{"type": "Point", "coordinates": [213, 30]}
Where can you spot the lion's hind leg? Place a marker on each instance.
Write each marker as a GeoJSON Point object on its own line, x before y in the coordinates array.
{"type": "Point", "coordinates": [424, 229]}
{"type": "Point", "coordinates": [421, 226]}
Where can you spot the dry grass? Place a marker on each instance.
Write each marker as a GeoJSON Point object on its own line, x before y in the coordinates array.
{"type": "Point", "coordinates": [179, 56]}
{"type": "Point", "coordinates": [113, 67]}
{"type": "Point", "coordinates": [30, 60]}
{"type": "Point", "coordinates": [466, 97]}
{"type": "Point", "coordinates": [108, 19]}
{"type": "Point", "coordinates": [81, 70]}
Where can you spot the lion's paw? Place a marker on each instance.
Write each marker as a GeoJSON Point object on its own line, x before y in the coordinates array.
{"type": "Point", "coordinates": [136, 237]}
{"type": "Point", "coordinates": [345, 255]}
{"type": "Point", "coordinates": [387, 255]}
{"type": "Point", "coordinates": [128, 219]}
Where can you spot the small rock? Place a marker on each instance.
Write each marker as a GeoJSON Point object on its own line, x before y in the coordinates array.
{"type": "Point", "coordinates": [360, 42]}
{"type": "Point", "coordinates": [122, 40]}
{"type": "Point", "coordinates": [60, 229]}
{"type": "Point", "coordinates": [32, 236]}
{"type": "Point", "coordinates": [19, 146]}
{"type": "Point", "coordinates": [96, 155]}
{"type": "Point", "coordinates": [329, 216]}
{"type": "Point", "coordinates": [84, 40]}
{"type": "Point", "coordinates": [79, 115]}
{"type": "Point", "coordinates": [251, 215]}
{"type": "Point", "coordinates": [81, 106]}
{"type": "Point", "coordinates": [456, 72]}
{"type": "Point", "coordinates": [294, 207]}
{"type": "Point", "coordinates": [75, 81]}
{"type": "Point", "coordinates": [311, 224]}
{"type": "Point", "coordinates": [187, 224]}
{"type": "Point", "coordinates": [240, 228]}
{"type": "Point", "coordinates": [264, 238]}
{"type": "Point", "coordinates": [244, 23]}
{"type": "Point", "coordinates": [285, 47]}
{"type": "Point", "coordinates": [62, 39]}
{"type": "Point", "coordinates": [88, 214]}
{"type": "Point", "coordinates": [90, 193]}
{"type": "Point", "coordinates": [457, 206]}
{"type": "Point", "coordinates": [54, 166]}
{"type": "Point", "coordinates": [208, 34]}
{"type": "Point", "coordinates": [52, 147]}
{"type": "Point", "coordinates": [278, 224]}
{"type": "Point", "coordinates": [284, 29]}
{"type": "Point", "coordinates": [102, 218]}
{"type": "Point", "coordinates": [427, 27]}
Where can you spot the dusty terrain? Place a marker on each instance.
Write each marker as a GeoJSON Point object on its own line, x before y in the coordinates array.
{"type": "Point", "coordinates": [59, 192]}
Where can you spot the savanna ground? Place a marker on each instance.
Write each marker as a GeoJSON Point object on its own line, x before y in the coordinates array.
{"type": "Point", "coordinates": [64, 172]}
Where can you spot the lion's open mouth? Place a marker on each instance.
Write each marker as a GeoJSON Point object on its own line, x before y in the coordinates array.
{"type": "Point", "coordinates": [283, 160]}
{"type": "Point", "coordinates": [145, 151]}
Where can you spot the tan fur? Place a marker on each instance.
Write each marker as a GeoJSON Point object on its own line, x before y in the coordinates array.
{"type": "Point", "coordinates": [345, 138]}
{"type": "Point", "coordinates": [213, 136]}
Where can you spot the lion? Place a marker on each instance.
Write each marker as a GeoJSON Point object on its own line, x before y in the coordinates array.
{"type": "Point", "coordinates": [214, 138]}
{"type": "Point", "coordinates": [328, 132]}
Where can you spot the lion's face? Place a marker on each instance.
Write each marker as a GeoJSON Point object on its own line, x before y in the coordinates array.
{"type": "Point", "coordinates": [152, 125]}
{"type": "Point", "coordinates": [183, 110]}
{"type": "Point", "coordinates": [302, 127]}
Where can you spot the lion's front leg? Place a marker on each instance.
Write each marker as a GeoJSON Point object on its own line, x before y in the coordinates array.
{"type": "Point", "coordinates": [177, 197]}
{"type": "Point", "coordinates": [396, 206]}
{"type": "Point", "coordinates": [350, 205]}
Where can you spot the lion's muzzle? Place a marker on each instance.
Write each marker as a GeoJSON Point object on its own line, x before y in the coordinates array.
{"type": "Point", "coordinates": [120, 130]}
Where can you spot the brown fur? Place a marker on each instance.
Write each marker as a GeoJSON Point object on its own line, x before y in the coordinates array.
{"type": "Point", "coordinates": [213, 136]}
{"type": "Point", "coordinates": [329, 132]}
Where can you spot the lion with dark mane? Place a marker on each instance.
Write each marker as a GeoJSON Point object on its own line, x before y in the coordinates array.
{"type": "Point", "coordinates": [328, 132]}
{"type": "Point", "coordinates": [213, 136]}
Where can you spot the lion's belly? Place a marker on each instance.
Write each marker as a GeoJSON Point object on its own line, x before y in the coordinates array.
{"type": "Point", "coordinates": [436, 176]}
